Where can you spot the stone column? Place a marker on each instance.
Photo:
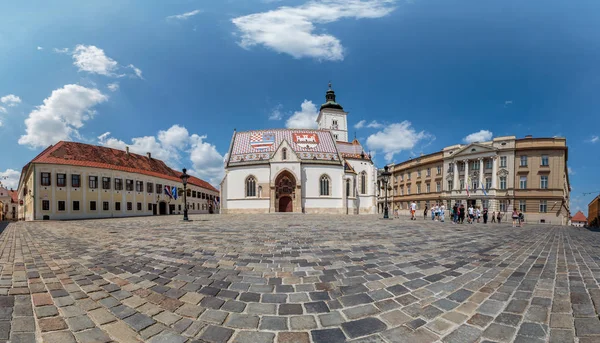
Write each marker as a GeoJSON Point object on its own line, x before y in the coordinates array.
{"type": "Point", "coordinates": [494, 171]}
{"type": "Point", "coordinates": [466, 162]}
{"type": "Point", "coordinates": [455, 182]}
{"type": "Point", "coordinates": [481, 172]}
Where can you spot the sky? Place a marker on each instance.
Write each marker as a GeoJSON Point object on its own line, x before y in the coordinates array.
{"type": "Point", "coordinates": [175, 78]}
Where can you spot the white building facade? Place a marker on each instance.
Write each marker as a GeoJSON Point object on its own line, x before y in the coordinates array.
{"type": "Point", "coordinates": [300, 170]}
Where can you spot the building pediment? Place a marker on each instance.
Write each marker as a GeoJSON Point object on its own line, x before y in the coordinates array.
{"type": "Point", "coordinates": [474, 149]}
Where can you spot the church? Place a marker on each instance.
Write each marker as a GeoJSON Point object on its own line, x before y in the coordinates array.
{"type": "Point", "coordinates": [300, 170]}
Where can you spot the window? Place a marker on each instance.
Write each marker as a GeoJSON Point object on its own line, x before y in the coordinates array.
{"type": "Point", "coordinates": [419, 173]}
{"type": "Point", "coordinates": [118, 184]}
{"type": "Point", "coordinates": [117, 206]}
{"type": "Point", "coordinates": [129, 206]}
{"type": "Point", "coordinates": [105, 206]}
{"type": "Point", "coordinates": [335, 136]}
{"type": "Point", "coordinates": [61, 180]}
{"type": "Point", "coordinates": [324, 186]}
{"type": "Point", "coordinates": [488, 164]}
{"type": "Point", "coordinates": [128, 185]}
{"type": "Point", "coordinates": [75, 205]}
{"type": "Point", "coordinates": [544, 182]}
{"type": "Point", "coordinates": [347, 187]}
{"type": "Point", "coordinates": [45, 179]}
{"type": "Point", "coordinates": [450, 185]}
{"type": "Point", "coordinates": [149, 187]}
{"type": "Point", "coordinates": [523, 182]}
{"type": "Point", "coordinates": [363, 183]}
{"type": "Point", "coordinates": [408, 190]}
{"type": "Point", "coordinates": [418, 188]}
{"type": "Point", "coordinates": [502, 182]}
{"type": "Point", "coordinates": [284, 154]}
{"type": "Point", "coordinates": [461, 167]}
{"type": "Point", "coordinates": [45, 205]}
{"type": "Point", "coordinates": [92, 205]}
{"type": "Point", "coordinates": [106, 183]}
{"type": "Point", "coordinates": [93, 182]}
{"type": "Point", "coordinates": [488, 183]}
{"type": "Point", "coordinates": [428, 171]}
{"type": "Point", "coordinates": [503, 161]}
{"type": "Point", "coordinates": [401, 177]}
{"type": "Point", "coordinates": [524, 161]}
{"type": "Point", "coordinates": [503, 206]}
{"type": "Point", "coordinates": [475, 165]}
{"type": "Point", "coordinates": [139, 186]}
{"type": "Point", "coordinates": [545, 161]}
{"type": "Point", "coordinates": [462, 184]}
{"type": "Point", "coordinates": [439, 170]}
{"type": "Point", "coordinates": [522, 206]}
{"type": "Point", "coordinates": [61, 205]}
{"type": "Point", "coordinates": [193, 194]}
{"type": "Point", "coordinates": [485, 203]}
{"type": "Point", "coordinates": [428, 188]}
{"type": "Point", "coordinates": [159, 189]}
{"type": "Point", "coordinates": [438, 186]}
{"type": "Point", "coordinates": [139, 206]}
{"type": "Point", "coordinates": [150, 207]}
{"type": "Point", "coordinates": [75, 181]}
{"type": "Point", "coordinates": [251, 186]}
{"type": "Point", "coordinates": [408, 176]}
{"type": "Point", "coordinates": [475, 185]}
{"type": "Point", "coordinates": [543, 206]}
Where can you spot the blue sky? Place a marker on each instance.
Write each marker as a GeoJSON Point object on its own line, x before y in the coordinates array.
{"type": "Point", "coordinates": [176, 77]}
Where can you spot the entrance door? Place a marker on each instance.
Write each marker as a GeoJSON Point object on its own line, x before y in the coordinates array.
{"type": "Point", "coordinates": [153, 209]}
{"type": "Point", "coordinates": [285, 204]}
{"type": "Point", "coordinates": [471, 202]}
{"type": "Point", "coordinates": [162, 208]}
{"type": "Point", "coordinates": [285, 189]}
{"type": "Point", "coordinates": [172, 209]}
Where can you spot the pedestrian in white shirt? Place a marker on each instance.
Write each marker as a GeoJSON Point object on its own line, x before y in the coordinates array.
{"type": "Point", "coordinates": [471, 214]}
{"type": "Point", "coordinates": [478, 213]}
{"type": "Point", "coordinates": [442, 214]}
{"type": "Point", "coordinates": [413, 209]}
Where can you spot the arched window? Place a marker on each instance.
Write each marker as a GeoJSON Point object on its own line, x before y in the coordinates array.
{"type": "Point", "coordinates": [251, 186]}
{"type": "Point", "coordinates": [347, 187]}
{"type": "Point", "coordinates": [363, 183]}
{"type": "Point", "coordinates": [325, 185]}
{"type": "Point", "coordinates": [284, 154]}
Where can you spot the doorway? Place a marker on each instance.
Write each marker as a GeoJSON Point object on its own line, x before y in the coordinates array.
{"type": "Point", "coordinates": [162, 208]}
{"type": "Point", "coordinates": [471, 202]}
{"type": "Point", "coordinates": [153, 209]}
{"type": "Point", "coordinates": [285, 190]}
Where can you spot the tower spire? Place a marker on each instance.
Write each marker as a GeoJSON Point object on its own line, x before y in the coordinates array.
{"type": "Point", "coordinates": [330, 99]}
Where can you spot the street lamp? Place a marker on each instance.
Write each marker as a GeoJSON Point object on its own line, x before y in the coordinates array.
{"type": "Point", "coordinates": [184, 178]}
{"type": "Point", "coordinates": [385, 175]}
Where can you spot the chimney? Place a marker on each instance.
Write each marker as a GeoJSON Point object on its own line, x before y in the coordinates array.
{"type": "Point", "coordinates": [149, 155]}
{"type": "Point", "coordinates": [127, 150]}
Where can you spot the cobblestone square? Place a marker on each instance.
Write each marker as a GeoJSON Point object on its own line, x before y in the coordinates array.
{"type": "Point", "coordinates": [297, 278]}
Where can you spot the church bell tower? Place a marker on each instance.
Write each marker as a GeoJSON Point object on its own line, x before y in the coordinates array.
{"type": "Point", "coordinates": [332, 117]}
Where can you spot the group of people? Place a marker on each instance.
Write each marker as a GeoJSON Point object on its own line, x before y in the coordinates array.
{"type": "Point", "coordinates": [459, 213]}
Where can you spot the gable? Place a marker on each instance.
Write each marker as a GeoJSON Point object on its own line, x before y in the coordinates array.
{"type": "Point", "coordinates": [290, 153]}
{"type": "Point", "coordinates": [473, 149]}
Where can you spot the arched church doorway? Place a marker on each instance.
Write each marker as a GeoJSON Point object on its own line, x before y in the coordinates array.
{"type": "Point", "coordinates": [162, 208]}
{"type": "Point", "coordinates": [285, 191]}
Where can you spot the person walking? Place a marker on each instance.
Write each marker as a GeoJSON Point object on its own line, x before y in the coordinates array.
{"type": "Point", "coordinates": [425, 213]}
{"type": "Point", "coordinates": [499, 216]}
{"type": "Point", "coordinates": [442, 212]}
{"type": "Point", "coordinates": [494, 217]}
{"type": "Point", "coordinates": [455, 213]}
{"type": "Point", "coordinates": [471, 215]}
{"type": "Point", "coordinates": [521, 219]}
{"type": "Point", "coordinates": [433, 212]}
{"type": "Point", "coordinates": [461, 215]}
{"type": "Point", "coordinates": [413, 209]}
{"type": "Point", "coordinates": [478, 213]}
{"type": "Point", "coordinates": [485, 215]}
{"type": "Point", "coordinates": [515, 217]}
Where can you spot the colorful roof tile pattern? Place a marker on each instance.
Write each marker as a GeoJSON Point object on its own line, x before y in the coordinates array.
{"type": "Point", "coordinates": [579, 217]}
{"type": "Point", "coordinates": [261, 145]}
{"type": "Point", "coordinates": [85, 155]}
{"type": "Point", "coordinates": [351, 150]}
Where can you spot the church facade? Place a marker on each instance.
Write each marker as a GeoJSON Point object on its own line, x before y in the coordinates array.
{"type": "Point", "coordinates": [300, 170]}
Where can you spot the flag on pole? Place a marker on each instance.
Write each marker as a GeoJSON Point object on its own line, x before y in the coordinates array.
{"type": "Point", "coordinates": [168, 191]}
{"type": "Point", "coordinates": [483, 189]}
{"type": "Point", "coordinates": [174, 192]}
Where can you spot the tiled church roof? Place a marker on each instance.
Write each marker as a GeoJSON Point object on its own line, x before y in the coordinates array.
{"type": "Point", "coordinates": [351, 150]}
{"type": "Point", "coordinates": [579, 217]}
{"type": "Point", "coordinates": [85, 155]}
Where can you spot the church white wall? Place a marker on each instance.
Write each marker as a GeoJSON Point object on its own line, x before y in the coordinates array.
{"type": "Point", "coordinates": [312, 201]}
{"type": "Point", "coordinates": [366, 203]}
{"type": "Point", "coordinates": [235, 187]}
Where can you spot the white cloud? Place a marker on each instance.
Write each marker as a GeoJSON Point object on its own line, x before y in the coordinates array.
{"type": "Point", "coordinates": [113, 87]}
{"type": "Point", "coordinates": [1, 123]}
{"type": "Point", "coordinates": [571, 171]}
{"type": "Point", "coordinates": [40, 48]}
{"type": "Point", "coordinates": [395, 138]}
{"type": "Point", "coordinates": [137, 71]}
{"type": "Point", "coordinates": [360, 124]}
{"type": "Point", "coordinates": [594, 139]}
{"type": "Point", "coordinates": [375, 125]}
{"type": "Point", "coordinates": [176, 147]}
{"type": "Point", "coordinates": [508, 102]}
{"type": "Point", "coordinates": [183, 16]}
{"type": "Point", "coordinates": [93, 60]}
{"type": "Point", "coordinates": [10, 178]}
{"type": "Point", "coordinates": [10, 100]}
{"type": "Point", "coordinates": [61, 51]}
{"type": "Point", "coordinates": [481, 136]}
{"type": "Point", "coordinates": [291, 30]}
{"type": "Point", "coordinates": [61, 115]}
{"type": "Point", "coordinates": [276, 113]}
{"type": "Point", "coordinates": [306, 118]}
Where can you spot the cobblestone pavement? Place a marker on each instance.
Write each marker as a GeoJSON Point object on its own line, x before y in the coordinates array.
{"type": "Point", "coordinates": [297, 278]}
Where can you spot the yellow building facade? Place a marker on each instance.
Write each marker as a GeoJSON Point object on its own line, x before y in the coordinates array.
{"type": "Point", "coordinates": [594, 212]}
{"type": "Point", "coordinates": [79, 181]}
{"type": "Point", "coordinates": [528, 174]}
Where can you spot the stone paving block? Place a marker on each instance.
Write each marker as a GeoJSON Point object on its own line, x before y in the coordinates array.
{"type": "Point", "coordinates": [360, 311]}
{"type": "Point", "coordinates": [139, 321]}
{"type": "Point", "coordinates": [167, 337]}
{"type": "Point", "coordinates": [80, 323]}
{"type": "Point", "coordinates": [58, 337]}
{"type": "Point", "coordinates": [587, 326]}
{"type": "Point", "coordinates": [253, 337]}
{"type": "Point", "coordinates": [242, 321]}
{"type": "Point", "coordinates": [94, 335]}
{"type": "Point", "coordinates": [534, 330]}
{"type": "Point", "coordinates": [498, 332]}
{"type": "Point", "coordinates": [22, 337]}
{"type": "Point", "coordinates": [51, 324]}
{"type": "Point", "coordinates": [274, 323]}
{"type": "Point", "coordinates": [101, 316]}
{"type": "Point", "coordinates": [463, 334]}
{"type": "Point", "coordinates": [23, 324]}
{"type": "Point", "coordinates": [214, 316]}
{"type": "Point", "coordinates": [562, 336]}
{"type": "Point", "coordinates": [120, 332]}
{"type": "Point", "coordinates": [293, 337]}
{"type": "Point", "coordinates": [328, 336]}
{"type": "Point", "coordinates": [154, 330]}
{"type": "Point", "coordinates": [216, 334]}
{"type": "Point", "coordinates": [561, 320]}
{"type": "Point", "coordinates": [302, 323]}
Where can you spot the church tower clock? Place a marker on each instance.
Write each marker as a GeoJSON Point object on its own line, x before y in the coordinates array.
{"type": "Point", "coordinates": [332, 117]}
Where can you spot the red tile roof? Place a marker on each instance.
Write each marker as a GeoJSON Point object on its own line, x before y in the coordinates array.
{"type": "Point", "coordinates": [351, 149]}
{"type": "Point", "coordinates": [579, 217]}
{"type": "Point", "coordinates": [14, 195]}
{"type": "Point", "coordinates": [86, 155]}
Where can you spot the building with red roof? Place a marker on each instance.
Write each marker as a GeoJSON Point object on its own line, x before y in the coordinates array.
{"type": "Point", "coordinates": [71, 180]}
{"type": "Point", "coordinates": [8, 204]}
{"type": "Point", "coordinates": [579, 219]}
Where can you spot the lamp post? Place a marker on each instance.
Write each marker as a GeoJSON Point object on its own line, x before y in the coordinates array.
{"type": "Point", "coordinates": [385, 175]}
{"type": "Point", "coordinates": [184, 178]}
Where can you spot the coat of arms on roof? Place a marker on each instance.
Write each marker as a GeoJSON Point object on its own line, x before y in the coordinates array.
{"type": "Point", "coordinates": [260, 140]}
{"type": "Point", "coordinates": [306, 140]}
